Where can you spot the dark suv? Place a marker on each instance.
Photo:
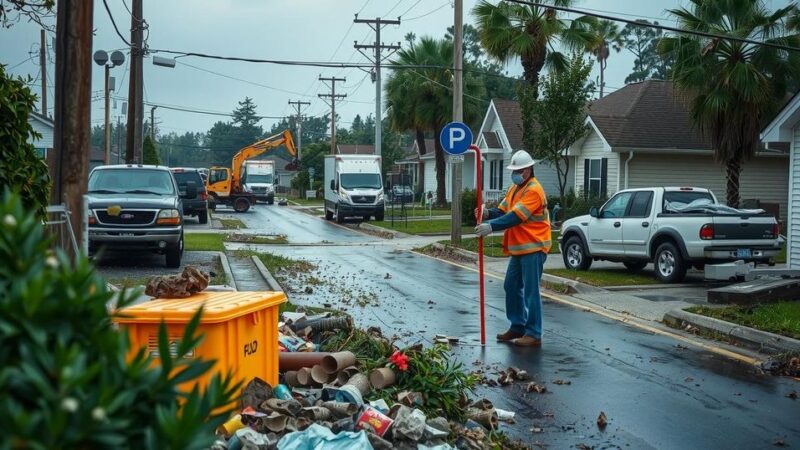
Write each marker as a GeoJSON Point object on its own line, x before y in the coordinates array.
{"type": "Point", "coordinates": [196, 206]}
{"type": "Point", "coordinates": [136, 208]}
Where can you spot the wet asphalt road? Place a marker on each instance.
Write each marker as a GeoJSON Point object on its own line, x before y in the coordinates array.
{"type": "Point", "coordinates": [655, 393]}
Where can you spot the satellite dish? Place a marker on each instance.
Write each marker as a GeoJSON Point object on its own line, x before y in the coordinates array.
{"type": "Point", "coordinates": [100, 57]}
{"type": "Point", "coordinates": [117, 58]}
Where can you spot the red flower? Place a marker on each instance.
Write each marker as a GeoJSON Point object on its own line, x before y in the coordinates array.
{"type": "Point", "coordinates": [399, 360]}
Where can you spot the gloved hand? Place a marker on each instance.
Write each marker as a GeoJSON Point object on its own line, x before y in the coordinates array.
{"type": "Point", "coordinates": [485, 212]}
{"type": "Point", "coordinates": [483, 229]}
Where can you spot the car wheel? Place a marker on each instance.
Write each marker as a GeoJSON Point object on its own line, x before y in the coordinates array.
{"type": "Point", "coordinates": [669, 264]}
{"type": "Point", "coordinates": [635, 266]}
{"type": "Point", "coordinates": [379, 216]}
{"type": "Point", "coordinates": [271, 200]}
{"type": "Point", "coordinates": [173, 255]}
{"type": "Point", "coordinates": [328, 214]}
{"type": "Point", "coordinates": [699, 266]}
{"type": "Point", "coordinates": [203, 217]}
{"type": "Point", "coordinates": [575, 256]}
{"type": "Point", "coordinates": [365, 218]}
{"type": "Point", "coordinates": [241, 205]}
{"type": "Point", "coordinates": [339, 217]}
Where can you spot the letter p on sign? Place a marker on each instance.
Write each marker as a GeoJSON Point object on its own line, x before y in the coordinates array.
{"type": "Point", "coordinates": [455, 138]}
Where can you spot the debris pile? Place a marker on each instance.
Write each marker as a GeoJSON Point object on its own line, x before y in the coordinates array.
{"type": "Point", "coordinates": [363, 393]}
{"type": "Point", "coordinates": [786, 365]}
{"type": "Point", "coordinates": [189, 282]}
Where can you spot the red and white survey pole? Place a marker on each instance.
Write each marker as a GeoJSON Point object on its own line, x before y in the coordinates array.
{"type": "Point", "coordinates": [479, 204]}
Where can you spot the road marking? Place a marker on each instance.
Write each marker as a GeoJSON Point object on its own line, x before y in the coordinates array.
{"type": "Point", "coordinates": [630, 320]}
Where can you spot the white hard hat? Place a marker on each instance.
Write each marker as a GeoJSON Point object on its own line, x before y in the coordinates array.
{"type": "Point", "coordinates": [520, 160]}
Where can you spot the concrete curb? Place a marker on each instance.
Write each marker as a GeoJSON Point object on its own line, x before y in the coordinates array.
{"type": "Point", "coordinates": [395, 234]}
{"type": "Point", "coordinates": [226, 267]}
{"type": "Point", "coordinates": [751, 338]}
{"type": "Point", "coordinates": [262, 269]}
{"type": "Point", "coordinates": [655, 287]}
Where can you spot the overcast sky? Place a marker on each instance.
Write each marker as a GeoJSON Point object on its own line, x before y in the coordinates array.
{"type": "Point", "coordinates": [318, 30]}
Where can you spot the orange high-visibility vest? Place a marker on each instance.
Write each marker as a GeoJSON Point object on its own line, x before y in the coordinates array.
{"type": "Point", "coordinates": [529, 203]}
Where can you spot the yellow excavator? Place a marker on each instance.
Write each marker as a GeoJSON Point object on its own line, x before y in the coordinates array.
{"type": "Point", "coordinates": [225, 184]}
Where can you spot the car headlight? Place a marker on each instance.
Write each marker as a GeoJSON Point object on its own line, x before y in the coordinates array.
{"type": "Point", "coordinates": [92, 219]}
{"type": "Point", "coordinates": [169, 217]}
{"type": "Point", "coordinates": [344, 196]}
{"type": "Point", "coordinates": [380, 197]}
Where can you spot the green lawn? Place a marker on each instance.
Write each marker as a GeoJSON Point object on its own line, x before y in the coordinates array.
{"type": "Point", "coordinates": [204, 242]}
{"type": "Point", "coordinates": [419, 211]}
{"type": "Point", "coordinates": [493, 245]}
{"type": "Point", "coordinates": [307, 201]}
{"type": "Point", "coordinates": [232, 224]}
{"type": "Point", "coordinates": [275, 263]}
{"type": "Point", "coordinates": [780, 318]}
{"type": "Point", "coordinates": [256, 239]}
{"type": "Point", "coordinates": [420, 226]}
{"type": "Point", "coordinates": [605, 277]}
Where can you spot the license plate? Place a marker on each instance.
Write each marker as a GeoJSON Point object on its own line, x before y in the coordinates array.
{"type": "Point", "coordinates": [126, 234]}
{"type": "Point", "coordinates": [743, 253]}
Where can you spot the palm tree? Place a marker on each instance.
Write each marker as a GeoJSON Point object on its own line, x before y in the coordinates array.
{"type": "Point", "coordinates": [734, 87]}
{"type": "Point", "coordinates": [605, 36]}
{"type": "Point", "coordinates": [530, 32]}
{"type": "Point", "coordinates": [421, 99]}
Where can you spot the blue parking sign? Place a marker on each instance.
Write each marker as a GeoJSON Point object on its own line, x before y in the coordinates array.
{"type": "Point", "coordinates": [456, 137]}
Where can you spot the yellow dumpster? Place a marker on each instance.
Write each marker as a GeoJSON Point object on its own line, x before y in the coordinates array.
{"type": "Point", "coordinates": [240, 328]}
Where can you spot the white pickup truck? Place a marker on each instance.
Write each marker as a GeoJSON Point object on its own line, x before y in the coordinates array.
{"type": "Point", "coordinates": [674, 228]}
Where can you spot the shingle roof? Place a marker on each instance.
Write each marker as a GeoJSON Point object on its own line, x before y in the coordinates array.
{"type": "Point", "coordinates": [429, 146]}
{"type": "Point", "coordinates": [511, 117]}
{"type": "Point", "coordinates": [649, 114]}
{"type": "Point", "coordinates": [491, 139]}
{"type": "Point", "coordinates": [355, 149]}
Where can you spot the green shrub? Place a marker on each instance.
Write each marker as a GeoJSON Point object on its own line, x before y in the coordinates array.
{"type": "Point", "coordinates": [577, 204]}
{"type": "Point", "coordinates": [65, 381]}
{"type": "Point", "coordinates": [21, 169]}
{"type": "Point", "coordinates": [468, 205]}
{"type": "Point", "coordinates": [149, 152]}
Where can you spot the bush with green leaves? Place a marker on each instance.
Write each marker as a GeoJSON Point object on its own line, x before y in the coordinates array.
{"type": "Point", "coordinates": [149, 152]}
{"type": "Point", "coordinates": [468, 204]}
{"type": "Point", "coordinates": [65, 378]}
{"type": "Point", "coordinates": [577, 204]}
{"type": "Point", "coordinates": [21, 168]}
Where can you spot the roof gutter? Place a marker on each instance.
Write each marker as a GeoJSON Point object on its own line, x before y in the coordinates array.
{"type": "Point", "coordinates": [627, 161]}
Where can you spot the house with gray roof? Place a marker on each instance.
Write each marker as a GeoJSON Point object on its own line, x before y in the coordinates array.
{"type": "Point", "coordinates": [642, 136]}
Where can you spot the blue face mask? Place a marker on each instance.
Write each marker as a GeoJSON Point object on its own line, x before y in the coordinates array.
{"type": "Point", "coordinates": [517, 179]}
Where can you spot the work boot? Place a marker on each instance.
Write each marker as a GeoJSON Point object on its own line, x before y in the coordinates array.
{"type": "Point", "coordinates": [509, 335]}
{"type": "Point", "coordinates": [527, 341]}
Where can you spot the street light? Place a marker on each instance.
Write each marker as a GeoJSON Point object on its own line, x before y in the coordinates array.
{"type": "Point", "coordinates": [101, 58]}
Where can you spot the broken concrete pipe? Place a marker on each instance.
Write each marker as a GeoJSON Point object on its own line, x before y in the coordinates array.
{"type": "Point", "coordinates": [290, 378]}
{"type": "Point", "coordinates": [335, 362]}
{"type": "Point", "coordinates": [287, 407]}
{"type": "Point", "coordinates": [321, 324]}
{"type": "Point", "coordinates": [321, 376]}
{"type": "Point", "coordinates": [275, 422]}
{"type": "Point", "coordinates": [487, 418]}
{"type": "Point", "coordinates": [360, 382]}
{"type": "Point", "coordinates": [304, 376]}
{"type": "Point", "coordinates": [382, 377]}
{"type": "Point", "coordinates": [341, 410]}
{"type": "Point", "coordinates": [298, 360]}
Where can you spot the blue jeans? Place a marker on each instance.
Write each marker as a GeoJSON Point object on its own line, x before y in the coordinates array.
{"type": "Point", "coordinates": [523, 299]}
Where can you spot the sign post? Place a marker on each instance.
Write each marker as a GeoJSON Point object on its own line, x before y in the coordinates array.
{"type": "Point", "coordinates": [456, 139]}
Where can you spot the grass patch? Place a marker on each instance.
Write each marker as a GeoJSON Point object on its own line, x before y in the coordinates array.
{"type": "Point", "coordinates": [256, 239]}
{"type": "Point", "coordinates": [781, 258]}
{"type": "Point", "coordinates": [419, 211]}
{"type": "Point", "coordinates": [232, 224]}
{"type": "Point", "coordinates": [419, 226]}
{"type": "Point", "coordinates": [277, 263]}
{"type": "Point", "coordinates": [204, 242]}
{"type": "Point", "coordinates": [222, 277]}
{"type": "Point", "coordinates": [781, 318]}
{"type": "Point", "coordinates": [307, 201]}
{"type": "Point", "coordinates": [605, 277]}
{"type": "Point", "coordinates": [129, 282]}
{"type": "Point", "coordinates": [559, 288]}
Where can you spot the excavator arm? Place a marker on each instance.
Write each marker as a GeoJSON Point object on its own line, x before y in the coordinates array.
{"type": "Point", "coordinates": [257, 148]}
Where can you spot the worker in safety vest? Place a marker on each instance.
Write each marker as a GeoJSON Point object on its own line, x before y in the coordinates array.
{"type": "Point", "coordinates": [524, 216]}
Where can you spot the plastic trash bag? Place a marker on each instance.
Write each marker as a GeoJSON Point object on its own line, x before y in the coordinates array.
{"type": "Point", "coordinates": [317, 437]}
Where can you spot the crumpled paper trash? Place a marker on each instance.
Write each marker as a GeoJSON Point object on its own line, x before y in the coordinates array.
{"type": "Point", "coordinates": [318, 437]}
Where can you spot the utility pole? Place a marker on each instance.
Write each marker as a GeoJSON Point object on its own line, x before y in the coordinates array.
{"type": "Point", "coordinates": [133, 153]}
{"type": "Point", "coordinates": [298, 104]}
{"type": "Point", "coordinates": [73, 82]}
{"type": "Point", "coordinates": [119, 144]}
{"type": "Point", "coordinates": [153, 124]}
{"type": "Point", "coordinates": [377, 47]}
{"type": "Point", "coordinates": [107, 122]}
{"type": "Point", "coordinates": [456, 167]}
{"type": "Point", "coordinates": [43, 65]}
{"type": "Point", "coordinates": [332, 96]}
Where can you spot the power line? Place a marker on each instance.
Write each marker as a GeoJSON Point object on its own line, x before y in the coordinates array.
{"type": "Point", "coordinates": [412, 7]}
{"type": "Point", "coordinates": [113, 22]}
{"type": "Point", "coordinates": [243, 80]}
{"type": "Point", "coordinates": [428, 13]}
{"type": "Point", "coordinates": [658, 27]}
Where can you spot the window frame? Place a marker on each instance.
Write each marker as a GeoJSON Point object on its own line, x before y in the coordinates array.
{"type": "Point", "coordinates": [648, 209]}
{"type": "Point", "coordinates": [624, 210]}
{"type": "Point", "coordinates": [598, 180]}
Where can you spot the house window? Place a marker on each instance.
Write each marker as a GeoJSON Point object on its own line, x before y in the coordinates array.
{"type": "Point", "coordinates": [595, 177]}
{"type": "Point", "coordinates": [496, 174]}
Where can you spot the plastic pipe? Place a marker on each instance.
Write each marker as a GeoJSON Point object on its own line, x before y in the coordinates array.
{"type": "Point", "coordinates": [479, 202]}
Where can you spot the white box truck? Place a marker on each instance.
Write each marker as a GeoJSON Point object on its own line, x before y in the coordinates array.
{"type": "Point", "coordinates": [353, 187]}
{"type": "Point", "coordinates": [258, 178]}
